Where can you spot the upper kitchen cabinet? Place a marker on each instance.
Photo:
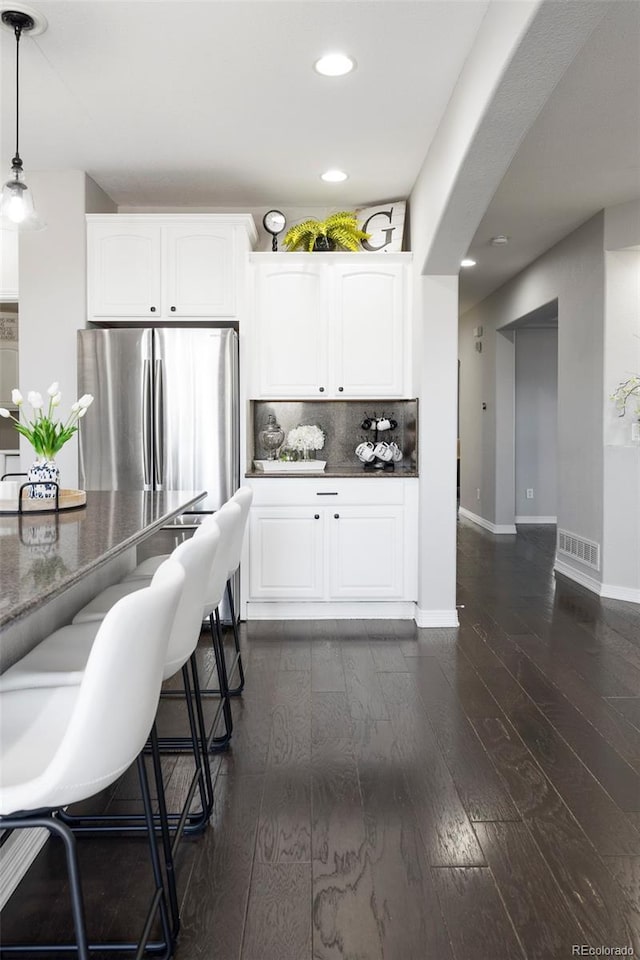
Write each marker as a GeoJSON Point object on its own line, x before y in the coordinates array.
{"type": "Point", "coordinates": [331, 326]}
{"type": "Point", "coordinates": [8, 264]}
{"type": "Point", "coordinates": [160, 267]}
{"type": "Point", "coordinates": [369, 329]}
{"type": "Point", "coordinates": [292, 324]}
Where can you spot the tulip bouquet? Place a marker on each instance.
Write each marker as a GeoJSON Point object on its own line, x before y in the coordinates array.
{"type": "Point", "coordinates": [45, 434]}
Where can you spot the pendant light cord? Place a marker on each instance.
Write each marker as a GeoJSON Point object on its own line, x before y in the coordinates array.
{"type": "Point", "coordinates": [16, 159]}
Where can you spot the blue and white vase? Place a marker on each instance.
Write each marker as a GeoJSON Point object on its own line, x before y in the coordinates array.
{"type": "Point", "coordinates": [42, 475]}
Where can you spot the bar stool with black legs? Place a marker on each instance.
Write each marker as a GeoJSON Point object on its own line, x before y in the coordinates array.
{"type": "Point", "coordinates": [61, 745]}
{"type": "Point", "coordinates": [243, 498]}
{"type": "Point", "coordinates": [62, 657]}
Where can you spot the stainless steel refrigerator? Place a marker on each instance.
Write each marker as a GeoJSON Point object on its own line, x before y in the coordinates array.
{"type": "Point", "coordinates": [166, 410]}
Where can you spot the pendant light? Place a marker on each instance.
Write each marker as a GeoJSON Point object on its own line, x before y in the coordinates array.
{"type": "Point", "coordinates": [16, 204]}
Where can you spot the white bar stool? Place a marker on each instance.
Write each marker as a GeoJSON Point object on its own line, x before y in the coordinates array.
{"type": "Point", "coordinates": [60, 745]}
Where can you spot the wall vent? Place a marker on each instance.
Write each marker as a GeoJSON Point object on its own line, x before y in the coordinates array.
{"type": "Point", "coordinates": [586, 551]}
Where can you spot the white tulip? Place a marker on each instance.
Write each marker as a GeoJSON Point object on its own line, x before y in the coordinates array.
{"type": "Point", "coordinates": [75, 407]}
{"type": "Point", "coordinates": [82, 413]}
{"type": "Point", "coordinates": [53, 389]}
{"type": "Point", "coordinates": [85, 401]}
{"type": "Point", "coordinates": [4, 412]}
{"type": "Point", "coordinates": [56, 398]}
{"type": "Point", "coordinates": [16, 397]}
{"type": "Point", "coordinates": [35, 399]}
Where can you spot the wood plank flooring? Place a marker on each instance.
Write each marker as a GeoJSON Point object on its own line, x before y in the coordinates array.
{"type": "Point", "coordinates": [395, 793]}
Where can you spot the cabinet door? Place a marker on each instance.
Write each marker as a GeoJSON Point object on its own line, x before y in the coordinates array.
{"type": "Point", "coordinates": [366, 549]}
{"type": "Point", "coordinates": [199, 270]}
{"type": "Point", "coordinates": [368, 342]}
{"type": "Point", "coordinates": [124, 269]}
{"type": "Point", "coordinates": [286, 553]}
{"type": "Point", "coordinates": [291, 331]}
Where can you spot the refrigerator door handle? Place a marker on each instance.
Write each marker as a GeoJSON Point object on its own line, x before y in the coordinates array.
{"type": "Point", "coordinates": [146, 423]}
{"type": "Point", "coordinates": [158, 424]}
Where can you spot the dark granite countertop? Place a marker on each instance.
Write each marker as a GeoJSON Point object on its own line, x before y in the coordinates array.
{"type": "Point", "coordinates": [42, 555]}
{"type": "Point", "coordinates": [351, 470]}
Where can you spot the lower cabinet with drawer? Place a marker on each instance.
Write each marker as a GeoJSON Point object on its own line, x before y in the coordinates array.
{"type": "Point", "coordinates": [319, 548]}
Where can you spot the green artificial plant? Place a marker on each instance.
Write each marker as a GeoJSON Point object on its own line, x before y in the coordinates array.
{"type": "Point", "coordinates": [339, 230]}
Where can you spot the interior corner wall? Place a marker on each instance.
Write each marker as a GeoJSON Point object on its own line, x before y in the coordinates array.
{"type": "Point", "coordinates": [536, 386]}
{"type": "Point", "coordinates": [573, 273]}
{"type": "Point", "coordinates": [53, 293]}
{"type": "Point", "coordinates": [621, 536]}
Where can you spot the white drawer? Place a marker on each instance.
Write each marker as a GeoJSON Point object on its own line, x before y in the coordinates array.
{"type": "Point", "coordinates": [326, 492]}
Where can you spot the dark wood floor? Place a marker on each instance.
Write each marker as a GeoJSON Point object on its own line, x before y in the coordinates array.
{"type": "Point", "coordinates": [403, 794]}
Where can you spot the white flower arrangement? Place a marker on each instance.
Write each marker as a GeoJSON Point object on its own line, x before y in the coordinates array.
{"type": "Point", "coordinates": [305, 438]}
{"type": "Point", "coordinates": [623, 394]}
{"type": "Point", "coordinates": [46, 435]}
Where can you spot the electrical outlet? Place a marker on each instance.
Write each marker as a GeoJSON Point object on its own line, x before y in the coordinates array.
{"type": "Point", "coordinates": [529, 493]}
{"type": "Point", "coordinates": [477, 493]}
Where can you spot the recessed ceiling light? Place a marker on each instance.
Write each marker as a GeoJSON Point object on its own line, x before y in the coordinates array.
{"type": "Point", "coordinates": [334, 65]}
{"type": "Point", "coordinates": [333, 176]}
{"type": "Point", "coordinates": [499, 241]}
{"type": "Point", "coordinates": [467, 262]}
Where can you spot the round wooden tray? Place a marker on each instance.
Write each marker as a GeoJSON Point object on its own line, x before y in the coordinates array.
{"type": "Point", "coordinates": [68, 499]}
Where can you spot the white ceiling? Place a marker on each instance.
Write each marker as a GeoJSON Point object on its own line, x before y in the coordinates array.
{"type": "Point", "coordinates": [175, 103]}
{"type": "Point", "coordinates": [216, 103]}
{"type": "Point", "coordinates": [582, 154]}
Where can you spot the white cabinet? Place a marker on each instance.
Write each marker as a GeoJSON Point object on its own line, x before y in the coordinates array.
{"type": "Point", "coordinates": [366, 551]}
{"type": "Point", "coordinates": [331, 326]}
{"type": "Point", "coordinates": [124, 264]}
{"type": "Point", "coordinates": [333, 541]}
{"type": "Point", "coordinates": [290, 344]}
{"type": "Point", "coordinates": [370, 329]}
{"type": "Point", "coordinates": [287, 547]}
{"type": "Point", "coordinates": [8, 264]}
{"type": "Point", "coordinates": [159, 267]}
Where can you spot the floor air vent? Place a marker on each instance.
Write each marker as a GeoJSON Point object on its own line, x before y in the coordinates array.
{"type": "Point", "coordinates": [586, 551]}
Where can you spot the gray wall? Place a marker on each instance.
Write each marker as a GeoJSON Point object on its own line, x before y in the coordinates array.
{"type": "Point", "coordinates": [573, 273]}
{"type": "Point", "coordinates": [53, 293]}
{"type": "Point", "coordinates": [536, 415]}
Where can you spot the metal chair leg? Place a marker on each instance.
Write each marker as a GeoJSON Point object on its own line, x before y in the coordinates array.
{"type": "Point", "coordinates": [217, 743]}
{"type": "Point", "coordinates": [77, 905]}
{"type": "Point", "coordinates": [235, 691]}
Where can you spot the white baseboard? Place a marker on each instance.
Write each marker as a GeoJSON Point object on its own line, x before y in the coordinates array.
{"type": "Point", "coordinates": [613, 592]}
{"type": "Point", "coordinates": [437, 618]}
{"type": "Point", "coordinates": [17, 855]}
{"type": "Point", "coordinates": [498, 528]}
{"type": "Point", "coordinates": [536, 519]}
{"type": "Point", "coordinates": [327, 610]}
{"type": "Point", "coordinates": [584, 579]}
{"type": "Point", "coordinates": [610, 591]}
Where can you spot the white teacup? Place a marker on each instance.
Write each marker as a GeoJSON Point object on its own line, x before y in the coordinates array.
{"type": "Point", "coordinates": [383, 451]}
{"type": "Point", "coordinates": [9, 489]}
{"type": "Point", "coordinates": [364, 451]}
{"type": "Point", "coordinates": [384, 424]}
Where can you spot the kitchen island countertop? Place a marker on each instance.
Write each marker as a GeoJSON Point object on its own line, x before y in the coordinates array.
{"type": "Point", "coordinates": [43, 555]}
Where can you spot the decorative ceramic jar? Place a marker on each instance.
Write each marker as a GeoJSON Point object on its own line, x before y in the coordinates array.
{"type": "Point", "coordinates": [42, 476]}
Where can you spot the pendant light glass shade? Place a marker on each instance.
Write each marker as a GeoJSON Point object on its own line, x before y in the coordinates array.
{"type": "Point", "coordinates": [16, 204]}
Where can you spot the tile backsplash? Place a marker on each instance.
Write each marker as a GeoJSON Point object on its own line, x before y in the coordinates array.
{"type": "Point", "coordinates": [340, 421]}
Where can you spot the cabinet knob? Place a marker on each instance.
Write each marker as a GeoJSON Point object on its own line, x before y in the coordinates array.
{"type": "Point", "coordinates": [340, 389]}
{"type": "Point", "coordinates": [336, 516]}
{"type": "Point", "coordinates": [153, 309]}
{"type": "Point", "coordinates": [316, 516]}
{"type": "Point", "coordinates": [321, 389]}
{"type": "Point", "coordinates": [173, 309]}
